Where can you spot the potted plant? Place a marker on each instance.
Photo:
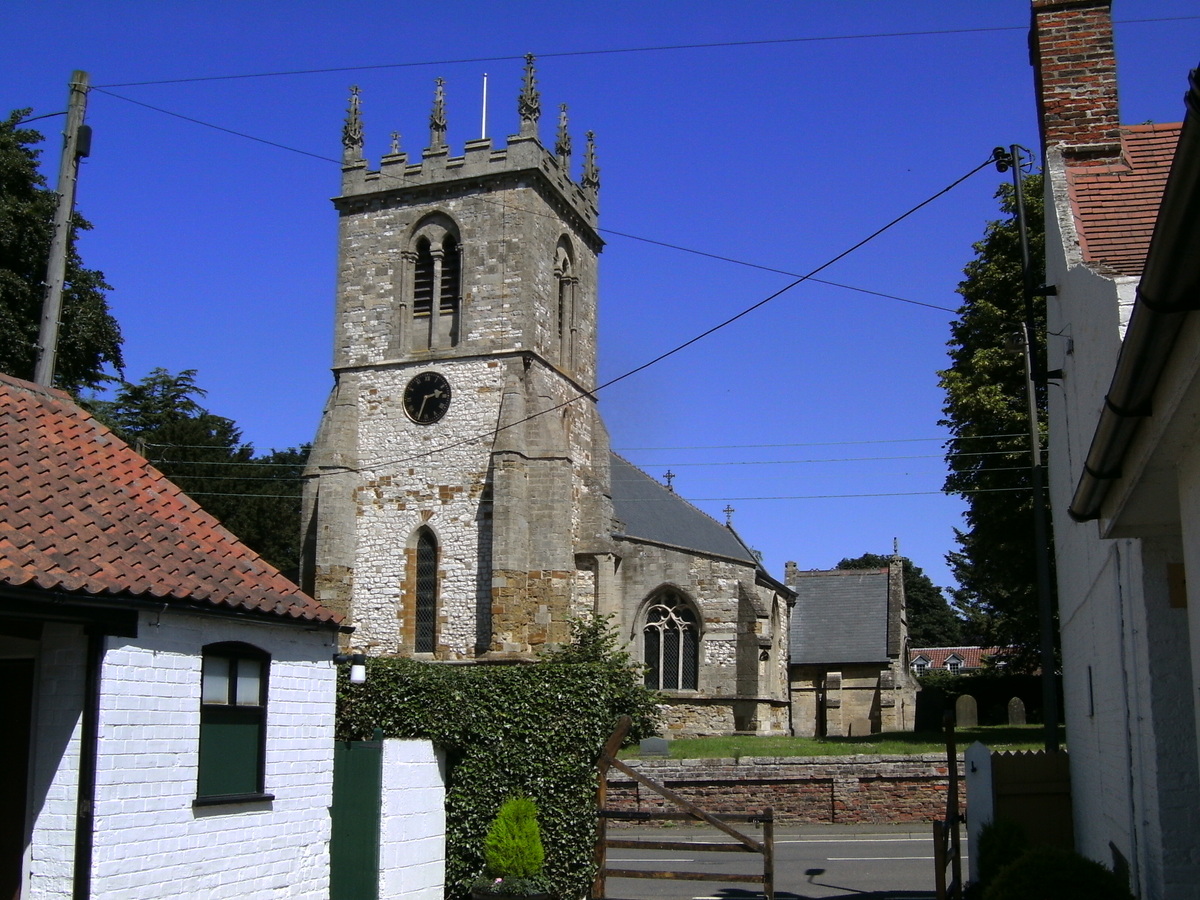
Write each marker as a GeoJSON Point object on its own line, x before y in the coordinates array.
{"type": "Point", "coordinates": [513, 854]}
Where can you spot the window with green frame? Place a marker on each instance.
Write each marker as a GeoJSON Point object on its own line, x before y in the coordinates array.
{"type": "Point", "coordinates": [233, 723]}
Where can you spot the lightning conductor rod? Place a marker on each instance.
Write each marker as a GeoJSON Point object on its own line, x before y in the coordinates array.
{"type": "Point", "coordinates": [76, 144]}
{"type": "Point", "coordinates": [483, 125]}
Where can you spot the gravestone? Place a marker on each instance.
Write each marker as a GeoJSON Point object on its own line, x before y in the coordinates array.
{"type": "Point", "coordinates": [966, 712]}
{"type": "Point", "coordinates": [1016, 711]}
{"type": "Point", "coordinates": [653, 746]}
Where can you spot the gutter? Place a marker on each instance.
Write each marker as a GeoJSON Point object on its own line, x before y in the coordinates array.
{"type": "Point", "coordinates": [1168, 291]}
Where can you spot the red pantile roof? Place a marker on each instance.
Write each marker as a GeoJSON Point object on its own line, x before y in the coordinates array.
{"type": "Point", "coordinates": [1116, 204]}
{"type": "Point", "coordinates": [972, 657]}
{"type": "Point", "coordinates": [81, 512]}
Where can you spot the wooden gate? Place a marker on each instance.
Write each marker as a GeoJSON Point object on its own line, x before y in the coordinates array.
{"type": "Point", "coordinates": [354, 818]}
{"type": "Point", "coordinates": [742, 843]}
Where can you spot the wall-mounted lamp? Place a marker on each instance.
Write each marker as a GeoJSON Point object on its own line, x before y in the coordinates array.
{"type": "Point", "coordinates": [358, 665]}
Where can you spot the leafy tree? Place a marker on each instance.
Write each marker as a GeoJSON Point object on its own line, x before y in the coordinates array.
{"type": "Point", "coordinates": [255, 497]}
{"type": "Point", "coordinates": [987, 413]}
{"type": "Point", "coordinates": [89, 338]}
{"type": "Point", "coordinates": [931, 621]}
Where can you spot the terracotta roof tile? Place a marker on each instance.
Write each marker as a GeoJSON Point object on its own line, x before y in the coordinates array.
{"type": "Point", "coordinates": [1116, 205]}
{"type": "Point", "coordinates": [81, 512]}
{"type": "Point", "coordinates": [972, 657]}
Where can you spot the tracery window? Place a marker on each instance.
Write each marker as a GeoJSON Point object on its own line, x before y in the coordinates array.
{"type": "Point", "coordinates": [427, 592]}
{"type": "Point", "coordinates": [671, 643]}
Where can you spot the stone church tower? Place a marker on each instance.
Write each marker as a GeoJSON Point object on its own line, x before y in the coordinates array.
{"type": "Point", "coordinates": [461, 467]}
{"type": "Point", "coordinates": [461, 500]}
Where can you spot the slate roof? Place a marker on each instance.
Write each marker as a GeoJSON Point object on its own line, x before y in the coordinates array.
{"type": "Point", "coordinates": [82, 513]}
{"type": "Point", "coordinates": [1116, 204]}
{"type": "Point", "coordinates": [841, 616]}
{"type": "Point", "coordinates": [651, 512]}
{"type": "Point", "coordinates": [972, 657]}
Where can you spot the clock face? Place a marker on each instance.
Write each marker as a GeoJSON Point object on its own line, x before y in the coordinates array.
{"type": "Point", "coordinates": [427, 397]}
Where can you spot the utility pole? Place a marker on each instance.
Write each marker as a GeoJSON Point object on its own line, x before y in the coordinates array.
{"type": "Point", "coordinates": [77, 140]}
{"type": "Point", "coordinates": [1035, 376]}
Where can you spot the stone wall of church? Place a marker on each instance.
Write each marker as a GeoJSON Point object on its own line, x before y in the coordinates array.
{"type": "Point", "coordinates": [509, 289]}
{"type": "Point", "coordinates": [742, 621]}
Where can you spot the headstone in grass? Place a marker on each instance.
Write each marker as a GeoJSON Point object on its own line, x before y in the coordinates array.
{"type": "Point", "coordinates": [654, 746]}
{"type": "Point", "coordinates": [1016, 711]}
{"type": "Point", "coordinates": [966, 712]}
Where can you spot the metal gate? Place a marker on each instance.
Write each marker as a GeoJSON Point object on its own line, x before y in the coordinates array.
{"type": "Point", "coordinates": [357, 800]}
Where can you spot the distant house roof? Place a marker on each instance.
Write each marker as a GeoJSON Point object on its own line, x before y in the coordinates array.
{"type": "Point", "coordinates": [1116, 204]}
{"type": "Point", "coordinates": [651, 512]}
{"type": "Point", "coordinates": [841, 616]}
{"type": "Point", "coordinates": [81, 513]}
{"type": "Point", "coordinates": [971, 657]}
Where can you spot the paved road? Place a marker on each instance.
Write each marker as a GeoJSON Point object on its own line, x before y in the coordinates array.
{"type": "Point", "coordinates": [865, 863]}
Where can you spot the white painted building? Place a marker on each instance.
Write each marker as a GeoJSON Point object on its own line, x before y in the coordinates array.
{"type": "Point", "coordinates": [169, 697]}
{"type": "Point", "coordinates": [1122, 254]}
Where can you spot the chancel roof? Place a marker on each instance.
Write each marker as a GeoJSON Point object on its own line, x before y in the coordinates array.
{"type": "Point", "coordinates": [840, 616]}
{"type": "Point", "coordinates": [82, 513]}
{"type": "Point", "coordinates": [648, 511]}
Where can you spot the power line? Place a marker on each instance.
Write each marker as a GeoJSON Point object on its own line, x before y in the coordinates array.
{"type": "Point", "coordinates": [688, 343]}
{"type": "Point", "coordinates": [607, 231]}
{"type": "Point", "coordinates": [658, 48]}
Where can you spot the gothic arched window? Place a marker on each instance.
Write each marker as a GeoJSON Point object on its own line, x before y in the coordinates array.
{"type": "Point", "coordinates": [671, 644]}
{"type": "Point", "coordinates": [565, 281]}
{"type": "Point", "coordinates": [436, 287]}
{"type": "Point", "coordinates": [427, 592]}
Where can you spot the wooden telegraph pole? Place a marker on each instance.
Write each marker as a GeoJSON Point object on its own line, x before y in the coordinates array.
{"type": "Point", "coordinates": [76, 144]}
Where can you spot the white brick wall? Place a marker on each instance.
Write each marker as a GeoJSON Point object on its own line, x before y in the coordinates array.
{"type": "Point", "coordinates": [412, 845]}
{"type": "Point", "coordinates": [149, 840]}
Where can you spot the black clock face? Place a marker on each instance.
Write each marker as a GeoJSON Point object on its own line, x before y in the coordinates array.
{"type": "Point", "coordinates": [427, 397]}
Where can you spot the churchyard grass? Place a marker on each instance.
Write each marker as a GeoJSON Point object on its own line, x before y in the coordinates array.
{"type": "Point", "coordinates": [996, 737]}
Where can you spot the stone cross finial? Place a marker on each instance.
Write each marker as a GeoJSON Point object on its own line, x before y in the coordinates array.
{"type": "Point", "coordinates": [529, 104]}
{"type": "Point", "coordinates": [670, 476]}
{"type": "Point", "coordinates": [562, 146]}
{"type": "Point", "coordinates": [437, 117]}
{"type": "Point", "coordinates": [729, 511]}
{"type": "Point", "coordinates": [395, 143]}
{"type": "Point", "coordinates": [352, 131]}
{"type": "Point", "coordinates": [591, 171]}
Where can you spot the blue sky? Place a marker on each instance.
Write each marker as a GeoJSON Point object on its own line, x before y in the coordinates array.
{"type": "Point", "coordinates": [814, 417]}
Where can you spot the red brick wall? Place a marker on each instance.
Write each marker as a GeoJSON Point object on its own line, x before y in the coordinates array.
{"type": "Point", "coordinates": [1075, 74]}
{"type": "Point", "coordinates": [809, 790]}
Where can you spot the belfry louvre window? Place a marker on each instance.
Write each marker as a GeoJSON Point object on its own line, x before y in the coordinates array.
{"type": "Point", "coordinates": [423, 281]}
{"type": "Point", "coordinates": [427, 591]}
{"type": "Point", "coordinates": [233, 723]}
{"type": "Point", "coordinates": [436, 291]}
{"type": "Point", "coordinates": [671, 641]}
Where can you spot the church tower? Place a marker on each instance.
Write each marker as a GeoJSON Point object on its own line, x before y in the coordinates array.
{"type": "Point", "coordinates": [457, 493]}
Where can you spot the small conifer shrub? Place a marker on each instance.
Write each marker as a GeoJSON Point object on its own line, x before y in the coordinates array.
{"type": "Point", "coordinates": [513, 851]}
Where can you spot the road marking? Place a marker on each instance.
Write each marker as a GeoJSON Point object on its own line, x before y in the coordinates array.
{"type": "Point", "coordinates": [638, 859]}
{"type": "Point", "coordinates": [870, 858]}
{"type": "Point", "coordinates": [858, 840]}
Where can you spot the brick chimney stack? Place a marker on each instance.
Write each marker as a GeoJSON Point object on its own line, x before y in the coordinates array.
{"type": "Point", "coordinates": [1075, 77]}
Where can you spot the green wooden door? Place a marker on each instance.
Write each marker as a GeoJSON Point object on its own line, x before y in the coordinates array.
{"type": "Point", "coordinates": [357, 799]}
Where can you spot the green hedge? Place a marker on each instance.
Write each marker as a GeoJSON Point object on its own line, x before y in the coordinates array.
{"type": "Point", "coordinates": [534, 730]}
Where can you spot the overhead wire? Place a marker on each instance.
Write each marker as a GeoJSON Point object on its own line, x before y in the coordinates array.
{"type": "Point", "coordinates": [606, 231]}
{"type": "Point", "coordinates": [658, 48]}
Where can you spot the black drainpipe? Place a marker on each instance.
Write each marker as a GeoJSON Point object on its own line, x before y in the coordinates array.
{"type": "Point", "coordinates": [85, 810]}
